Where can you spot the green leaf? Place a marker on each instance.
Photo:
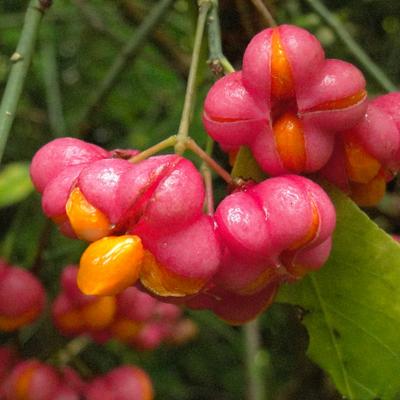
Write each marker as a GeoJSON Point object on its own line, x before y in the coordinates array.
{"type": "Point", "coordinates": [352, 307]}
{"type": "Point", "coordinates": [246, 166]}
{"type": "Point", "coordinates": [15, 183]}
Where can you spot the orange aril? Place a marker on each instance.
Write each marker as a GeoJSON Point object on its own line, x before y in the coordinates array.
{"type": "Point", "coordinates": [88, 222]}
{"type": "Point", "coordinates": [162, 282]}
{"type": "Point", "coordinates": [360, 166]}
{"type": "Point", "coordinates": [369, 194]}
{"type": "Point", "coordinates": [282, 85]}
{"type": "Point", "coordinates": [125, 329]}
{"type": "Point", "coordinates": [23, 382]}
{"type": "Point", "coordinates": [341, 103]}
{"type": "Point", "coordinates": [9, 324]}
{"type": "Point", "coordinates": [100, 313]}
{"type": "Point", "coordinates": [312, 232]}
{"type": "Point", "coordinates": [110, 265]}
{"type": "Point", "coordinates": [289, 141]}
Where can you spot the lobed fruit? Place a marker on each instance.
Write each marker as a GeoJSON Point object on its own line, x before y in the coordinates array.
{"type": "Point", "coordinates": [368, 155]}
{"type": "Point", "coordinates": [22, 297]}
{"type": "Point", "coordinates": [287, 104]}
{"type": "Point", "coordinates": [122, 383]}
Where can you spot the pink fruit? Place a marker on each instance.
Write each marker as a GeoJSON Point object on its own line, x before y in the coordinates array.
{"type": "Point", "coordinates": [22, 298]}
{"type": "Point", "coordinates": [288, 102]}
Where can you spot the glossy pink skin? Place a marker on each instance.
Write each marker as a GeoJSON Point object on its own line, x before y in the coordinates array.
{"type": "Point", "coordinates": [390, 105]}
{"type": "Point", "coordinates": [99, 183]}
{"type": "Point", "coordinates": [20, 292]}
{"type": "Point", "coordinates": [257, 225]}
{"type": "Point", "coordinates": [52, 158]}
{"type": "Point", "coordinates": [237, 110]}
{"type": "Point", "coordinates": [65, 393]}
{"type": "Point", "coordinates": [43, 384]}
{"type": "Point", "coordinates": [121, 383]}
{"type": "Point", "coordinates": [192, 252]}
{"type": "Point", "coordinates": [165, 192]}
{"type": "Point", "coordinates": [57, 191]}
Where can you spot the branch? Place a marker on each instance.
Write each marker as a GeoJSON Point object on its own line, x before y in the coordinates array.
{"type": "Point", "coordinates": [128, 53]}
{"type": "Point", "coordinates": [256, 387]}
{"type": "Point", "coordinates": [183, 131]}
{"type": "Point", "coordinates": [21, 60]}
{"type": "Point", "coordinates": [178, 61]}
{"type": "Point", "coordinates": [218, 62]}
{"type": "Point", "coordinates": [263, 10]}
{"type": "Point", "coordinates": [95, 22]}
{"type": "Point", "coordinates": [352, 45]}
{"type": "Point", "coordinates": [52, 83]}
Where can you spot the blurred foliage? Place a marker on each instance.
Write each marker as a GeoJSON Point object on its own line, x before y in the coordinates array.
{"type": "Point", "coordinates": [143, 108]}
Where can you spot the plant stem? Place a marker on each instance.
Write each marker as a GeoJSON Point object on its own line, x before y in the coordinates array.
{"type": "Point", "coordinates": [71, 350]}
{"type": "Point", "coordinates": [183, 131]}
{"type": "Point", "coordinates": [21, 60]}
{"type": "Point", "coordinates": [207, 175]}
{"type": "Point", "coordinates": [217, 61]}
{"type": "Point", "coordinates": [127, 54]}
{"type": "Point", "coordinates": [192, 145]}
{"type": "Point", "coordinates": [169, 142]}
{"type": "Point", "coordinates": [353, 46]}
{"type": "Point", "coordinates": [256, 387]}
{"type": "Point", "coordinates": [95, 21]}
{"type": "Point", "coordinates": [52, 83]}
{"type": "Point", "coordinates": [263, 9]}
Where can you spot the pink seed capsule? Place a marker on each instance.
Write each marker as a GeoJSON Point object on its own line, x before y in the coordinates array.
{"type": "Point", "coordinates": [32, 380]}
{"type": "Point", "coordinates": [165, 192]}
{"type": "Point", "coordinates": [22, 298]}
{"type": "Point", "coordinates": [258, 225]}
{"type": "Point", "coordinates": [285, 106]}
{"type": "Point", "coordinates": [122, 383]}
{"type": "Point", "coordinates": [52, 158]}
{"type": "Point", "coordinates": [181, 262]}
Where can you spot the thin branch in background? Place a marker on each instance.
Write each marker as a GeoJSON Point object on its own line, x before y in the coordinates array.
{"type": "Point", "coordinates": [263, 10]}
{"type": "Point", "coordinates": [41, 247]}
{"type": "Point", "coordinates": [208, 180]}
{"type": "Point", "coordinates": [52, 83]}
{"type": "Point", "coordinates": [21, 60]}
{"type": "Point", "coordinates": [352, 45]}
{"type": "Point", "coordinates": [183, 131]}
{"type": "Point", "coordinates": [95, 21]}
{"type": "Point", "coordinates": [217, 61]}
{"type": "Point", "coordinates": [177, 60]}
{"type": "Point", "coordinates": [256, 386]}
{"type": "Point", "coordinates": [127, 55]}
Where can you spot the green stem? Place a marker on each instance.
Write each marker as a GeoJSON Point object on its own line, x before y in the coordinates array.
{"type": "Point", "coordinates": [128, 53]}
{"type": "Point", "coordinates": [71, 350]}
{"type": "Point", "coordinates": [218, 62]}
{"type": "Point", "coordinates": [164, 144]}
{"type": "Point", "coordinates": [207, 176]}
{"type": "Point", "coordinates": [353, 46]}
{"type": "Point", "coordinates": [52, 83]}
{"type": "Point", "coordinates": [21, 60]}
{"type": "Point", "coordinates": [263, 10]}
{"type": "Point", "coordinates": [183, 131]}
{"type": "Point", "coordinates": [256, 387]}
{"type": "Point", "coordinates": [193, 146]}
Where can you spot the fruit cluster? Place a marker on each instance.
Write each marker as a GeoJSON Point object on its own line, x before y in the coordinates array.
{"type": "Point", "coordinates": [22, 297]}
{"type": "Point", "coordinates": [33, 380]}
{"type": "Point", "coordinates": [299, 113]}
{"type": "Point", "coordinates": [161, 240]}
{"type": "Point", "coordinates": [132, 316]}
